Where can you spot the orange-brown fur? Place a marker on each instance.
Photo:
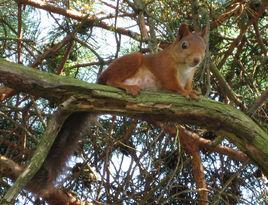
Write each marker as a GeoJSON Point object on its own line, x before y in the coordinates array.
{"type": "Point", "coordinates": [171, 69]}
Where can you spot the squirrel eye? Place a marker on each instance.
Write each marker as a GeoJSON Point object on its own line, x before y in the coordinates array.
{"type": "Point", "coordinates": [184, 45]}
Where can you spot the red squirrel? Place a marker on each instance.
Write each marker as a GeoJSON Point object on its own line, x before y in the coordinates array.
{"type": "Point", "coordinates": [171, 69]}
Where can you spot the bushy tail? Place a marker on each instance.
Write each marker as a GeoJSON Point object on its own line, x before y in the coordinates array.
{"type": "Point", "coordinates": [65, 145]}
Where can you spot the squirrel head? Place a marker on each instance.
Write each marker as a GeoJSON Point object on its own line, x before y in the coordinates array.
{"type": "Point", "coordinates": [190, 47]}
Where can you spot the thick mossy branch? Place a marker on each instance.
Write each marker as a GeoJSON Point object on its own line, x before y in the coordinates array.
{"type": "Point", "coordinates": [224, 119]}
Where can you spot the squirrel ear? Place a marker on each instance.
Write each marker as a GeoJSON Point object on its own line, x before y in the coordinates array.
{"type": "Point", "coordinates": [183, 31]}
{"type": "Point", "coordinates": [204, 33]}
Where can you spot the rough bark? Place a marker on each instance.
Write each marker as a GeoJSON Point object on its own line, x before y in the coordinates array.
{"type": "Point", "coordinates": [224, 119]}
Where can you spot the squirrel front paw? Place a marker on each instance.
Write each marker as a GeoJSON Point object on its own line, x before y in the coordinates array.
{"type": "Point", "coordinates": [191, 94]}
{"type": "Point", "coordinates": [133, 90]}
{"type": "Point", "coordinates": [194, 94]}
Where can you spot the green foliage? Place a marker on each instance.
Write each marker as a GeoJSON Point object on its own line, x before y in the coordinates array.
{"type": "Point", "coordinates": [137, 162]}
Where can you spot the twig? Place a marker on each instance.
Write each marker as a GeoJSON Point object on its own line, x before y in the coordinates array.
{"type": "Point", "coordinates": [65, 57]}
{"type": "Point", "coordinates": [259, 39]}
{"type": "Point", "coordinates": [192, 148]}
{"type": "Point", "coordinates": [117, 35]}
{"type": "Point", "coordinates": [259, 101]}
{"type": "Point", "coordinates": [51, 51]}
{"type": "Point", "coordinates": [226, 87]}
{"type": "Point", "coordinates": [93, 20]}
{"type": "Point", "coordinates": [19, 31]}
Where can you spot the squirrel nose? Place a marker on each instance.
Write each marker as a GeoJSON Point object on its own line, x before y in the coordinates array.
{"type": "Point", "coordinates": [196, 61]}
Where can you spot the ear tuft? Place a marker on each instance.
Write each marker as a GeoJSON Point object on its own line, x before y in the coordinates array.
{"type": "Point", "coordinates": [204, 33]}
{"type": "Point", "coordinates": [183, 31]}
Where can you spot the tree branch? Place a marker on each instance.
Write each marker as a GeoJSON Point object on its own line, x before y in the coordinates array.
{"type": "Point", "coordinates": [11, 169]}
{"type": "Point", "coordinates": [38, 158]}
{"type": "Point", "coordinates": [258, 103]}
{"type": "Point", "coordinates": [226, 120]}
{"type": "Point", "coordinates": [198, 172]}
{"type": "Point", "coordinates": [93, 20]}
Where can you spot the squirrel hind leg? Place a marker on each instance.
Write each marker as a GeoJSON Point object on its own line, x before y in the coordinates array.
{"type": "Point", "coordinates": [133, 90]}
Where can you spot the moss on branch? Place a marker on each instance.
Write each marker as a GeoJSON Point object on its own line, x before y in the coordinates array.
{"type": "Point", "coordinates": [225, 119]}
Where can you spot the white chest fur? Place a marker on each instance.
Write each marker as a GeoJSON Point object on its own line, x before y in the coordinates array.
{"type": "Point", "coordinates": [144, 79]}
{"type": "Point", "coordinates": [184, 74]}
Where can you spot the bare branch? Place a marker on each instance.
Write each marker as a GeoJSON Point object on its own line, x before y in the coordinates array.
{"type": "Point", "coordinates": [93, 20]}
{"type": "Point", "coordinates": [260, 100]}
